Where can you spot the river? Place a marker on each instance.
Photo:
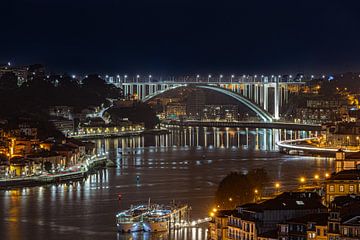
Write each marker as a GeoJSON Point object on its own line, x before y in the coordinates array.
{"type": "Point", "coordinates": [184, 165]}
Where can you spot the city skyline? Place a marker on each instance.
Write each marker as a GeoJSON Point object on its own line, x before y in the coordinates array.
{"type": "Point", "coordinates": [182, 36]}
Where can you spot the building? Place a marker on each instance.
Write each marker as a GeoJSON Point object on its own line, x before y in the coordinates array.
{"type": "Point", "coordinates": [65, 112]}
{"type": "Point", "coordinates": [259, 220]}
{"type": "Point", "coordinates": [311, 227]}
{"type": "Point", "coordinates": [175, 110]}
{"type": "Point", "coordinates": [342, 183]}
{"type": "Point", "coordinates": [346, 161]}
{"type": "Point", "coordinates": [344, 216]}
{"type": "Point", "coordinates": [221, 112]}
{"type": "Point", "coordinates": [318, 111]}
{"type": "Point", "coordinates": [218, 226]}
{"type": "Point", "coordinates": [344, 134]}
{"type": "Point", "coordinates": [64, 125]}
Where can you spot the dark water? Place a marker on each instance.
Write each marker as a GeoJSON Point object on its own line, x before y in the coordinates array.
{"type": "Point", "coordinates": [167, 168]}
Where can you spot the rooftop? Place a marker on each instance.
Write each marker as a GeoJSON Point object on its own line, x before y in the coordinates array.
{"type": "Point", "coordinates": [353, 174]}
{"type": "Point", "coordinates": [320, 219]}
{"type": "Point", "coordinates": [288, 201]}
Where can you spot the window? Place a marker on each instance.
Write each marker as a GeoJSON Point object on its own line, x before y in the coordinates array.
{"type": "Point", "coordinates": [331, 188]}
{"type": "Point", "coordinates": [318, 232]}
{"type": "Point", "coordinates": [351, 188]}
{"type": "Point", "coordinates": [341, 188]}
{"type": "Point", "coordinates": [345, 231]}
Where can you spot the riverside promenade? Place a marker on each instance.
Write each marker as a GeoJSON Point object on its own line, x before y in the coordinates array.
{"type": "Point", "coordinates": [73, 173]}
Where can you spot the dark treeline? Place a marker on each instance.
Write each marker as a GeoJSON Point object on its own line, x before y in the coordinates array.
{"type": "Point", "coordinates": [238, 188]}
{"type": "Point", "coordinates": [39, 92]}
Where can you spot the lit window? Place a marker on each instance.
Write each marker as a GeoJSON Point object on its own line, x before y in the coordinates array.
{"type": "Point", "coordinates": [332, 188]}
{"type": "Point", "coordinates": [341, 188]}
{"type": "Point", "coordinates": [351, 188]}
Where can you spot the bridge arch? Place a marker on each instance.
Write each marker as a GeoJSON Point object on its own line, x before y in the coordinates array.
{"type": "Point", "coordinates": [264, 115]}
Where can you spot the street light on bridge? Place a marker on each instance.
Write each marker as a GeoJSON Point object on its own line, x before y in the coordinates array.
{"type": "Point", "coordinates": [232, 77]}
{"type": "Point", "coordinates": [197, 78]}
{"type": "Point", "coordinates": [137, 78]}
{"type": "Point", "coordinates": [150, 78]}
{"type": "Point", "coordinates": [209, 76]}
{"type": "Point", "coordinates": [221, 76]}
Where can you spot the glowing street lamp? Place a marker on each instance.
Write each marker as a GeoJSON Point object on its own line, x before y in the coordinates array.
{"type": "Point", "coordinates": [150, 78]}
{"type": "Point", "coordinates": [220, 77]}
{"type": "Point", "coordinates": [197, 78]}
{"type": "Point", "coordinates": [232, 77]}
{"type": "Point", "coordinates": [316, 177]}
{"type": "Point", "coordinates": [230, 199]}
{"type": "Point", "coordinates": [302, 180]}
{"type": "Point", "coordinates": [209, 76]}
{"type": "Point", "coordinates": [137, 78]}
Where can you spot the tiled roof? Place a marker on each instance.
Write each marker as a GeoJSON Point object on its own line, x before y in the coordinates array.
{"type": "Point", "coordinates": [353, 174]}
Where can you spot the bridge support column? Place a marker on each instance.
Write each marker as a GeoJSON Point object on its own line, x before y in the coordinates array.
{"type": "Point", "coordinates": [256, 96]}
{"type": "Point", "coordinates": [131, 89]}
{"type": "Point", "coordinates": [286, 94]}
{"type": "Point", "coordinates": [143, 91]}
{"type": "Point", "coordinates": [276, 101]}
{"type": "Point", "coordinates": [125, 90]}
{"type": "Point", "coordinates": [138, 91]}
{"type": "Point", "coordinates": [266, 93]}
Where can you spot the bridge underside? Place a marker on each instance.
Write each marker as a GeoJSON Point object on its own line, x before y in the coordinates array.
{"type": "Point", "coordinates": [255, 96]}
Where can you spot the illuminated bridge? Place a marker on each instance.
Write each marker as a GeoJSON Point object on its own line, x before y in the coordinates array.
{"type": "Point", "coordinates": [253, 92]}
{"type": "Point", "coordinates": [244, 124]}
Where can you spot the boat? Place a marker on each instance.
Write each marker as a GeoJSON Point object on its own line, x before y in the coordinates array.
{"type": "Point", "coordinates": [157, 220]}
{"type": "Point", "coordinates": [152, 218]}
{"type": "Point", "coordinates": [131, 220]}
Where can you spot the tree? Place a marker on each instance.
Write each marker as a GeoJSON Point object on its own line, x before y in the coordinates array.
{"type": "Point", "coordinates": [8, 81]}
{"type": "Point", "coordinates": [47, 166]}
{"type": "Point", "coordinates": [238, 188]}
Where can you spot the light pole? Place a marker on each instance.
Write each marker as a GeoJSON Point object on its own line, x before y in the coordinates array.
{"type": "Point", "coordinates": [197, 78]}
{"type": "Point", "coordinates": [137, 78]}
{"type": "Point", "coordinates": [125, 77]}
{"type": "Point", "coordinates": [232, 77]}
{"type": "Point", "coordinates": [220, 77]}
{"type": "Point", "coordinates": [209, 76]}
{"type": "Point", "coordinates": [150, 78]}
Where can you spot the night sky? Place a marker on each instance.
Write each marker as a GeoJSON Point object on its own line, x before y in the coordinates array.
{"type": "Point", "coordinates": [182, 36]}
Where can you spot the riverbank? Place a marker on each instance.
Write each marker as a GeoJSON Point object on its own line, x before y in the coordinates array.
{"type": "Point", "coordinates": [303, 147]}
{"type": "Point", "coordinates": [74, 173]}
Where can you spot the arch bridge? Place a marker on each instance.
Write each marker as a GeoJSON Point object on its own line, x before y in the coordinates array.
{"type": "Point", "coordinates": [254, 95]}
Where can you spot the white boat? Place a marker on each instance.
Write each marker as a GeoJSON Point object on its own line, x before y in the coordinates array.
{"type": "Point", "coordinates": [131, 220]}
{"type": "Point", "coordinates": [152, 218]}
{"type": "Point", "coordinates": [157, 220]}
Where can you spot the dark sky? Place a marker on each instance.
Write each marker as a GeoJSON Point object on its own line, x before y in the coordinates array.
{"type": "Point", "coordinates": [182, 36]}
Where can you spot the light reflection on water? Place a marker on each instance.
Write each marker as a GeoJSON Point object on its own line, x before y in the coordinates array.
{"type": "Point", "coordinates": [187, 171]}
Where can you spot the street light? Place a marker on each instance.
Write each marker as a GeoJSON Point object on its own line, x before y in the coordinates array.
{"type": "Point", "coordinates": [209, 76]}
{"type": "Point", "coordinates": [197, 78]}
{"type": "Point", "coordinates": [232, 77]}
{"type": "Point", "coordinates": [221, 76]}
{"type": "Point", "coordinates": [316, 176]}
{"type": "Point", "coordinates": [150, 78]}
{"type": "Point", "coordinates": [125, 77]}
{"type": "Point", "coordinates": [137, 78]}
{"type": "Point", "coordinates": [302, 180]}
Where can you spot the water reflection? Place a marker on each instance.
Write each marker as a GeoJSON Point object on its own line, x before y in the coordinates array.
{"type": "Point", "coordinates": [255, 139]}
{"type": "Point", "coordinates": [199, 233]}
{"type": "Point", "coordinates": [186, 165]}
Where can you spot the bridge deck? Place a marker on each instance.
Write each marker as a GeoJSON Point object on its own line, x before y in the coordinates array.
{"type": "Point", "coordinates": [246, 124]}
